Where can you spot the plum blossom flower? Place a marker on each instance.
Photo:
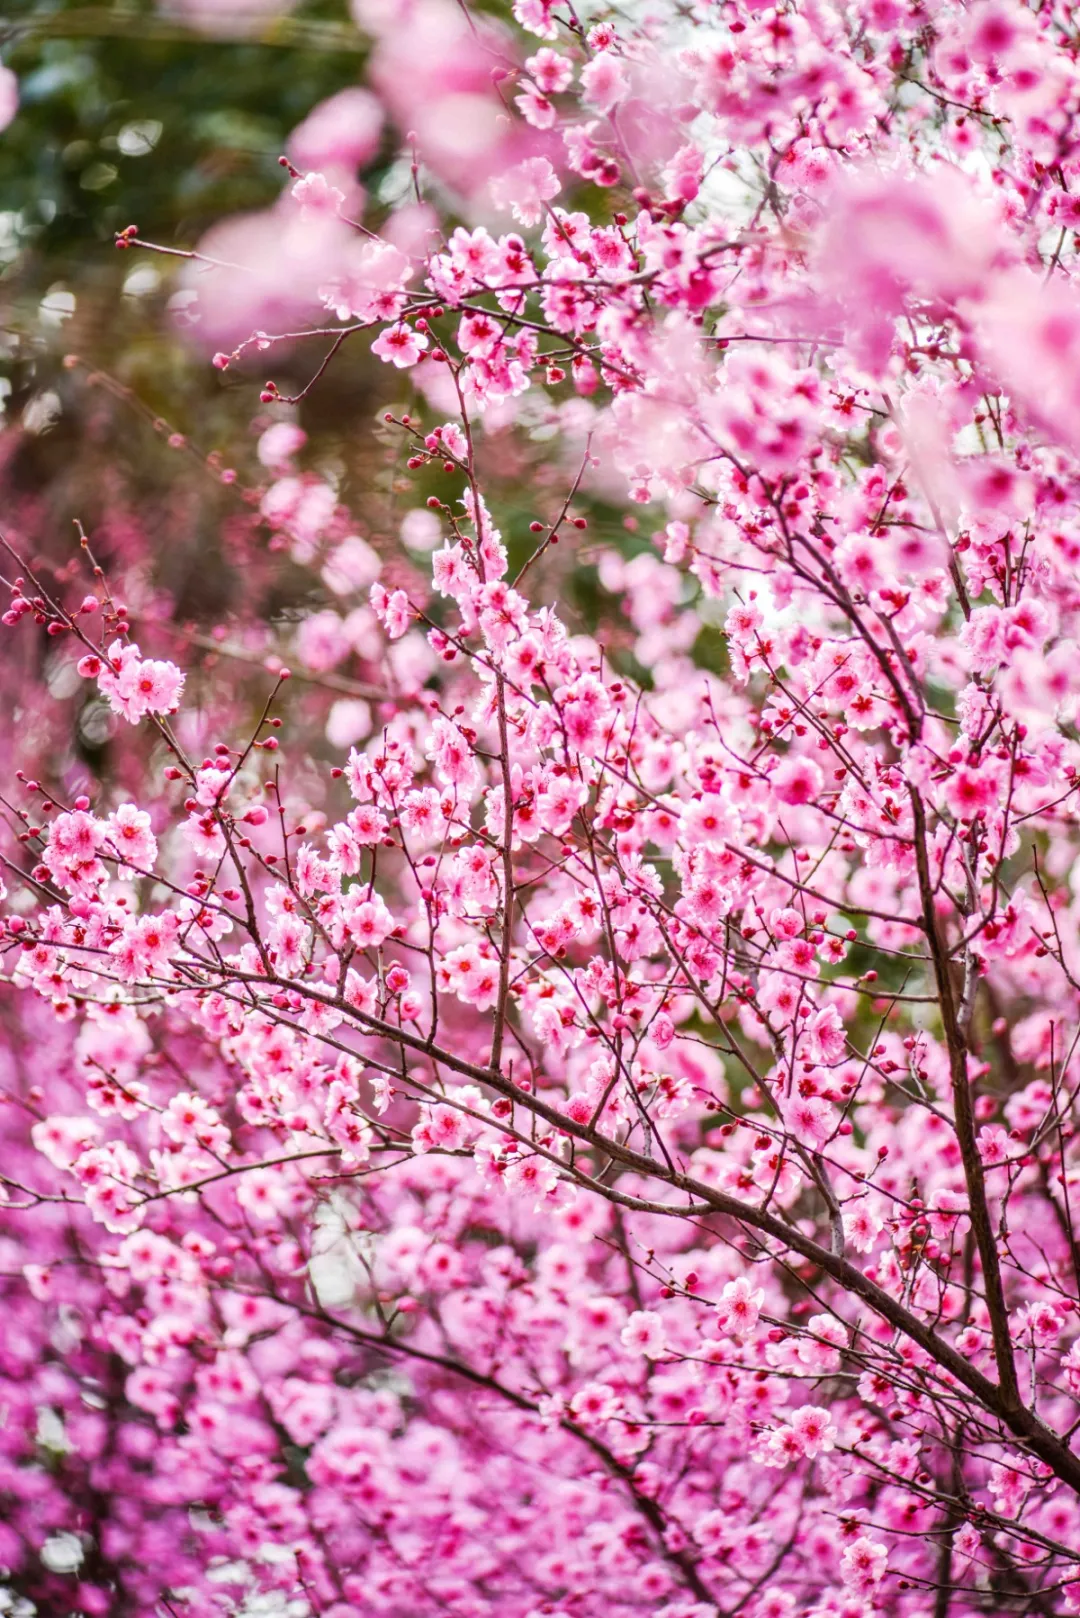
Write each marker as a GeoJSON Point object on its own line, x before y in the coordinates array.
{"type": "Point", "coordinates": [604, 81]}
{"type": "Point", "coordinates": [392, 609]}
{"type": "Point", "coordinates": [368, 922]}
{"type": "Point", "coordinates": [525, 189]}
{"type": "Point", "coordinates": [644, 1334]}
{"type": "Point", "coordinates": [400, 345]}
{"type": "Point", "coordinates": [815, 1430]}
{"type": "Point", "coordinates": [863, 1564]}
{"type": "Point", "coordinates": [828, 1041]}
{"type": "Point", "coordinates": [71, 853]}
{"type": "Point", "coordinates": [993, 1144]}
{"type": "Point", "coordinates": [738, 1307]}
{"type": "Point", "coordinates": [535, 15]}
{"type": "Point", "coordinates": [128, 832]}
{"type": "Point", "coordinates": [810, 1118]}
{"type": "Point", "coordinates": [797, 780]}
{"type": "Point", "coordinates": [136, 686]}
{"type": "Point", "coordinates": [862, 1227]}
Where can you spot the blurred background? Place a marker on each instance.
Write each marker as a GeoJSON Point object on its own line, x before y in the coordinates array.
{"type": "Point", "coordinates": [131, 116]}
{"type": "Point", "coordinates": [173, 119]}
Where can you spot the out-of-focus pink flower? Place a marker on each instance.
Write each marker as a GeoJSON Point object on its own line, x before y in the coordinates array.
{"type": "Point", "coordinates": [604, 81]}
{"type": "Point", "coordinates": [353, 565]}
{"type": "Point", "coordinates": [262, 272]}
{"type": "Point", "coordinates": [525, 189]}
{"type": "Point", "coordinates": [279, 444]}
{"type": "Point", "coordinates": [322, 642]}
{"type": "Point", "coordinates": [1028, 333]}
{"type": "Point", "coordinates": [368, 283]}
{"type": "Point", "coordinates": [432, 68]}
{"type": "Point", "coordinates": [797, 780]}
{"type": "Point", "coordinates": [893, 237]}
{"type": "Point", "coordinates": [341, 133]}
{"type": "Point", "coordinates": [9, 96]}
{"type": "Point", "coordinates": [349, 721]}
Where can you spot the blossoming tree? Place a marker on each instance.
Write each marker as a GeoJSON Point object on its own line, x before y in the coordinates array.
{"type": "Point", "coordinates": [588, 1124]}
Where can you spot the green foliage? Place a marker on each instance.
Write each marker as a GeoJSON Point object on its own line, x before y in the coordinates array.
{"type": "Point", "coordinates": [129, 116]}
{"type": "Point", "coordinates": [126, 118]}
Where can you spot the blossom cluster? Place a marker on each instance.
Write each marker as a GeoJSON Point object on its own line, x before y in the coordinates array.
{"type": "Point", "coordinates": [590, 1127]}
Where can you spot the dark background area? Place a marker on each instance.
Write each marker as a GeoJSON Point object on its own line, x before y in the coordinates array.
{"type": "Point", "coordinates": [131, 117]}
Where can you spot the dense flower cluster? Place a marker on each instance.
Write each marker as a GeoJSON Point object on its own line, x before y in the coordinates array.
{"type": "Point", "coordinates": [600, 1139]}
